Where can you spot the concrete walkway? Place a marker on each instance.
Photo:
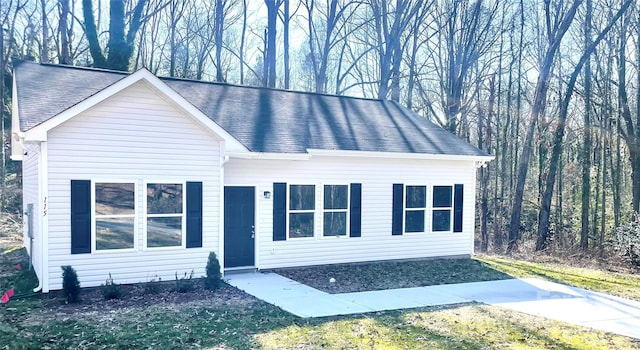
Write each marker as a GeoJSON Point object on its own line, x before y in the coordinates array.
{"type": "Point", "coordinates": [528, 295]}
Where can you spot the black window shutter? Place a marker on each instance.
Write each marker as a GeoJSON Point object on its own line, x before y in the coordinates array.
{"type": "Point", "coordinates": [457, 208]}
{"type": "Point", "coordinates": [396, 222]}
{"type": "Point", "coordinates": [279, 211]}
{"type": "Point", "coordinates": [194, 214]}
{"type": "Point", "coordinates": [80, 216]}
{"type": "Point", "coordinates": [355, 211]}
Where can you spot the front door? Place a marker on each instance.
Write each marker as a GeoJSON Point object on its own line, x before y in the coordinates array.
{"type": "Point", "coordinates": [239, 226]}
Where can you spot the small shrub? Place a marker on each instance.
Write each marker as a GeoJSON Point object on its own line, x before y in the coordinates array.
{"type": "Point", "coordinates": [213, 280]}
{"type": "Point", "coordinates": [627, 240]}
{"type": "Point", "coordinates": [70, 284]}
{"type": "Point", "coordinates": [153, 286]}
{"type": "Point", "coordinates": [185, 284]}
{"type": "Point", "coordinates": [111, 290]}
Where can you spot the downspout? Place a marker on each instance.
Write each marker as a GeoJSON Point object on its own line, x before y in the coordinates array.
{"type": "Point", "coordinates": [29, 214]}
{"type": "Point", "coordinates": [39, 287]}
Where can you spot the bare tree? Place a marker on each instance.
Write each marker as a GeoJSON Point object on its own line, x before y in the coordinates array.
{"type": "Point", "coordinates": [631, 130]}
{"type": "Point", "coordinates": [120, 45]}
{"type": "Point", "coordinates": [543, 222]}
{"type": "Point", "coordinates": [557, 24]}
{"type": "Point", "coordinates": [324, 24]}
{"type": "Point", "coordinates": [270, 55]}
{"type": "Point", "coordinates": [467, 32]}
{"type": "Point", "coordinates": [65, 31]}
{"type": "Point", "coordinates": [391, 23]}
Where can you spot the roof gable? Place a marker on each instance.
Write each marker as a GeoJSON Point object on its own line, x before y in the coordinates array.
{"type": "Point", "coordinates": [258, 119]}
{"type": "Point", "coordinates": [77, 105]}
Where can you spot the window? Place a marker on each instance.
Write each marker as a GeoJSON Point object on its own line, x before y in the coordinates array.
{"type": "Point", "coordinates": [336, 204]}
{"type": "Point", "coordinates": [442, 208]}
{"type": "Point", "coordinates": [114, 215]}
{"type": "Point", "coordinates": [165, 214]}
{"type": "Point", "coordinates": [294, 211]}
{"type": "Point", "coordinates": [415, 207]}
{"type": "Point", "coordinates": [302, 199]}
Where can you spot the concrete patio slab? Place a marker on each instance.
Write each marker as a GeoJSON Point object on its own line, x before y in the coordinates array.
{"type": "Point", "coordinates": [529, 295]}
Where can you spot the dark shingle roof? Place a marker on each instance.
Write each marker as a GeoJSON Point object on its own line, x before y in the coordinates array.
{"type": "Point", "coordinates": [264, 120]}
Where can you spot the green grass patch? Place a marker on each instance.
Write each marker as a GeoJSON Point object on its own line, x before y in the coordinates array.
{"type": "Point", "coordinates": [460, 327]}
{"type": "Point", "coordinates": [393, 274]}
{"type": "Point", "coordinates": [262, 326]}
{"type": "Point", "coordinates": [624, 285]}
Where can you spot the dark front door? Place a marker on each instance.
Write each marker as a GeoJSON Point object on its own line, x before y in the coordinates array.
{"type": "Point", "coordinates": [239, 226]}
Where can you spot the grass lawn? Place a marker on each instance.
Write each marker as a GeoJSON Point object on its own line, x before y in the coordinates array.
{"type": "Point", "coordinates": [620, 284]}
{"type": "Point", "coordinates": [230, 319]}
{"type": "Point", "coordinates": [392, 274]}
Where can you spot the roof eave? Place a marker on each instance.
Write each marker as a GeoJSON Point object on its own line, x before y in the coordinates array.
{"type": "Point", "coordinates": [311, 152]}
{"type": "Point", "coordinates": [399, 155]}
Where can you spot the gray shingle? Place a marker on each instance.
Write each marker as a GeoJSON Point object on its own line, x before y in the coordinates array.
{"type": "Point", "coordinates": [264, 120]}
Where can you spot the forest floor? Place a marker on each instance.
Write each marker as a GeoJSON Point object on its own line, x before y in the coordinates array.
{"type": "Point", "coordinates": [162, 318]}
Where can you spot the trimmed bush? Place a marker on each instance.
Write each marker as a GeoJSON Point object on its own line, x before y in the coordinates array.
{"type": "Point", "coordinates": [70, 284]}
{"type": "Point", "coordinates": [153, 286]}
{"type": "Point", "coordinates": [213, 280]}
{"type": "Point", "coordinates": [111, 290]}
{"type": "Point", "coordinates": [185, 284]}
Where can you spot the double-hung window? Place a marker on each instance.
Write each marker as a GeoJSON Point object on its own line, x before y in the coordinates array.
{"type": "Point", "coordinates": [114, 215]}
{"type": "Point", "coordinates": [442, 208]}
{"type": "Point", "coordinates": [415, 207]}
{"type": "Point", "coordinates": [336, 208]}
{"type": "Point", "coordinates": [165, 215]}
{"type": "Point", "coordinates": [302, 199]}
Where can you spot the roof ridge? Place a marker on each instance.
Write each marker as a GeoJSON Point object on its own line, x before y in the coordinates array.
{"type": "Point", "coordinates": [104, 70]}
{"type": "Point", "coordinates": [326, 94]}
{"type": "Point", "coordinates": [68, 66]}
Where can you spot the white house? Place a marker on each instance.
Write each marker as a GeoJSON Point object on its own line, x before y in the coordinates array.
{"type": "Point", "coordinates": [142, 177]}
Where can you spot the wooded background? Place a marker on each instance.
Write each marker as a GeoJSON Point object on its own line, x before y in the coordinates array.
{"type": "Point", "coordinates": [551, 88]}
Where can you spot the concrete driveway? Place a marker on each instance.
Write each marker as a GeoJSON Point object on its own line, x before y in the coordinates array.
{"type": "Point", "coordinates": [529, 295]}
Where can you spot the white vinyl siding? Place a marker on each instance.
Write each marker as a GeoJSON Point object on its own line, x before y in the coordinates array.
{"type": "Point", "coordinates": [31, 195]}
{"type": "Point", "coordinates": [132, 136]}
{"type": "Point", "coordinates": [377, 177]}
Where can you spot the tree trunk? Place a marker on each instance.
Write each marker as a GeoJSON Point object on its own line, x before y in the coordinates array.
{"type": "Point", "coordinates": [285, 24]}
{"type": "Point", "coordinates": [44, 52]}
{"type": "Point", "coordinates": [65, 34]}
{"type": "Point", "coordinates": [586, 147]}
{"type": "Point", "coordinates": [545, 208]}
{"type": "Point", "coordinates": [99, 61]}
{"type": "Point", "coordinates": [539, 102]}
{"type": "Point", "coordinates": [218, 37]}
{"type": "Point", "coordinates": [242, 40]}
{"type": "Point", "coordinates": [603, 208]}
{"type": "Point", "coordinates": [272, 15]}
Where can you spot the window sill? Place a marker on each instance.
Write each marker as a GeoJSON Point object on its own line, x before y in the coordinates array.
{"type": "Point", "coordinates": [114, 251]}
{"type": "Point", "coordinates": [161, 249]}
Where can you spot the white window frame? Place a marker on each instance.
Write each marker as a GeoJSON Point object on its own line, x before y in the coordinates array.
{"type": "Point", "coordinates": [433, 208]}
{"type": "Point", "coordinates": [95, 217]}
{"type": "Point", "coordinates": [312, 211]}
{"type": "Point", "coordinates": [145, 215]}
{"type": "Point", "coordinates": [347, 211]}
{"type": "Point", "coordinates": [405, 209]}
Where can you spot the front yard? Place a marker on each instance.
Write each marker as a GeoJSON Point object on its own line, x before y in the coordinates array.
{"type": "Point", "coordinates": [231, 319]}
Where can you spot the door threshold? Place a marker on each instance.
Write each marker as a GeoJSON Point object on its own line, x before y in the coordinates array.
{"type": "Point", "coordinates": [240, 269]}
